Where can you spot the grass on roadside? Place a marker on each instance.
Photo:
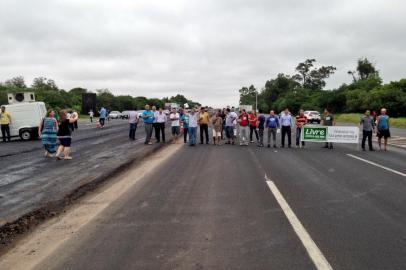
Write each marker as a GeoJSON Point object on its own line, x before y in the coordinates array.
{"type": "Point", "coordinates": [355, 118]}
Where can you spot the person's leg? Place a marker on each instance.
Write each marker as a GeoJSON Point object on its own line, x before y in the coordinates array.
{"type": "Point", "coordinates": [206, 131]}
{"type": "Point", "coordinates": [283, 136]}
{"type": "Point", "coordinates": [185, 133]}
{"type": "Point", "coordinates": [369, 136]}
{"type": "Point", "coordinates": [298, 131]}
{"type": "Point", "coordinates": [130, 135]}
{"type": "Point", "coordinates": [219, 138]}
{"type": "Point", "coordinates": [273, 131]}
{"type": "Point", "coordinates": [60, 150]}
{"type": "Point", "coordinates": [247, 130]}
{"type": "Point", "coordinates": [241, 138]}
{"type": "Point", "coordinates": [3, 132]}
{"type": "Point", "coordinates": [256, 133]}
{"type": "Point", "coordinates": [66, 153]}
{"type": "Point", "coordinates": [268, 133]}
{"type": "Point", "coordinates": [156, 131]}
{"type": "Point", "coordinates": [201, 133]}
{"type": "Point", "coordinates": [364, 137]}
{"type": "Point", "coordinates": [289, 132]}
{"type": "Point", "coordinates": [251, 131]}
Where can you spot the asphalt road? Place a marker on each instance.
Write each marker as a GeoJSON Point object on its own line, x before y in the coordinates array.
{"type": "Point", "coordinates": [211, 207]}
{"type": "Point", "coordinates": [28, 180]}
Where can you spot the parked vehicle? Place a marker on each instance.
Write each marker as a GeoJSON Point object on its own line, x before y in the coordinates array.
{"type": "Point", "coordinates": [115, 115]}
{"type": "Point", "coordinates": [25, 119]}
{"type": "Point", "coordinates": [313, 116]}
{"type": "Point", "coordinates": [125, 114]}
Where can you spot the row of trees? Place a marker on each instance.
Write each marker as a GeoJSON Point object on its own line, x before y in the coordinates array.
{"type": "Point", "coordinates": [46, 90]}
{"type": "Point", "coordinates": [306, 90]}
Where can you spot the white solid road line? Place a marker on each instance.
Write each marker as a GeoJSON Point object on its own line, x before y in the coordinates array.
{"type": "Point", "coordinates": [314, 252]}
{"type": "Point", "coordinates": [378, 165]}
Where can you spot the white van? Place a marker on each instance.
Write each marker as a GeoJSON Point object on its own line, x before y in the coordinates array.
{"type": "Point", "coordinates": [25, 118]}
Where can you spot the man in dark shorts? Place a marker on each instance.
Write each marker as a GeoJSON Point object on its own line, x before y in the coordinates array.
{"type": "Point", "coordinates": [383, 129]}
{"type": "Point", "coordinates": [175, 125]}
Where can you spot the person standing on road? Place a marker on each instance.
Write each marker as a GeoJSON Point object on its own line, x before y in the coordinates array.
{"type": "Point", "coordinates": [5, 122]}
{"type": "Point", "coordinates": [368, 125]}
{"type": "Point", "coordinates": [261, 127]}
{"type": "Point", "coordinates": [148, 118]}
{"type": "Point", "coordinates": [91, 115]}
{"type": "Point", "coordinates": [193, 120]}
{"type": "Point", "coordinates": [231, 117]}
{"type": "Point", "coordinates": [287, 124]}
{"type": "Point", "coordinates": [175, 125]}
{"type": "Point", "coordinates": [217, 124]}
{"type": "Point", "coordinates": [252, 118]}
{"type": "Point", "coordinates": [47, 131]}
{"type": "Point", "coordinates": [154, 124]}
{"type": "Point", "coordinates": [301, 120]}
{"type": "Point", "coordinates": [160, 122]}
{"type": "Point", "coordinates": [64, 135]}
{"type": "Point", "coordinates": [204, 121]}
{"type": "Point", "coordinates": [383, 129]}
{"type": "Point", "coordinates": [102, 116]}
{"type": "Point", "coordinates": [328, 120]}
{"type": "Point", "coordinates": [244, 127]}
{"type": "Point", "coordinates": [184, 121]}
{"type": "Point", "coordinates": [272, 124]}
{"type": "Point", "coordinates": [133, 121]}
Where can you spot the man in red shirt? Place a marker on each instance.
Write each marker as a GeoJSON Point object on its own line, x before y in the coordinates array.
{"type": "Point", "coordinates": [243, 121]}
{"type": "Point", "coordinates": [301, 120]}
{"type": "Point", "coordinates": [252, 117]}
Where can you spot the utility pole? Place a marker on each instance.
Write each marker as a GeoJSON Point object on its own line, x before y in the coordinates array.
{"type": "Point", "coordinates": [256, 101]}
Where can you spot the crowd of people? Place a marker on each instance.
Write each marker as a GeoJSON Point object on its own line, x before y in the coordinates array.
{"type": "Point", "coordinates": [228, 126]}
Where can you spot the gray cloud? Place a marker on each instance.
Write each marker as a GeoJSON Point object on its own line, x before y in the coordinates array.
{"type": "Point", "coordinates": [205, 50]}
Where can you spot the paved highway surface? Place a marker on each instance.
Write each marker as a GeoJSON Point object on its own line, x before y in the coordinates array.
{"type": "Point", "coordinates": [212, 207]}
{"type": "Point", "coordinates": [29, 180]}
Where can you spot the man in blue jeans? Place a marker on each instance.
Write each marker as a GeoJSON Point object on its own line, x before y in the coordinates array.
{"type": "Point", "coordinates": [133, 120]}
{"type": "Point", "coordinates": [148, 117]}
{"type": "Point", "coordinates": [102, 117]}
{"type": "Point", "coordinates": [192, 127]}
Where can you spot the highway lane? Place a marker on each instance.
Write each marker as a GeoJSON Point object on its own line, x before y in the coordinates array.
{"type": "Point", "coordinates": [210, 208]}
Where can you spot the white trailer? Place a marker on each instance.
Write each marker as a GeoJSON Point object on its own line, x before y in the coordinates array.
{"type": "Point", "coordinates": [25, 118]}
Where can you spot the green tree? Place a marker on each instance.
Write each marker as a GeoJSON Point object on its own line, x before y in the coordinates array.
{"type": "Point", "coordinates": [311, 77]}
{"type": "Point", "coordinates": [247, 95]}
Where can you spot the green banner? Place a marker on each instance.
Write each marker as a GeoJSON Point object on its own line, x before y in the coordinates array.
{"type": "Point", "coordinates": [312, 133]}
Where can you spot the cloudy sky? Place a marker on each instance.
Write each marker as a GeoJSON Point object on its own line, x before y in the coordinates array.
{"type": "Point", "coordinates": [205, 49]}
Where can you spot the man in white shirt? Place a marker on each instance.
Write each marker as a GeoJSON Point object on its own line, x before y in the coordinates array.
{"type": "Point", "coordinates": [161, 119]}
{"type": "Point", "coordinates": [175, 124]}
{"type": "Point", "coordinates": [286, 122]}
{"type": "Point", "coordinates": [193, 120]}
{"type": "Point", "coordinates": [133, 120]}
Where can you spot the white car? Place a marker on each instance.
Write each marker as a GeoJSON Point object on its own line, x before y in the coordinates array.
{"type": "Point", "coordinates": [115, 114]}
{"type": "Point", "coordinates": [313, 116]}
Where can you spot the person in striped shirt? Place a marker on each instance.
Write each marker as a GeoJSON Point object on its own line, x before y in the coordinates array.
{"type": "Point", "coordinates": [301, 120]}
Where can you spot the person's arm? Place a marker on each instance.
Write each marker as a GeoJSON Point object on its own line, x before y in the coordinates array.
{"type": "Point", "coordinates": [56, 125]}
{"type": "Point", "coordinates": [73, 119]}
{"type": "Point", "coordinates": [278, 123]}
{"type": "Point", "coordinates": [40, 128]}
